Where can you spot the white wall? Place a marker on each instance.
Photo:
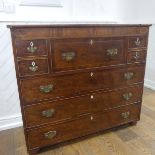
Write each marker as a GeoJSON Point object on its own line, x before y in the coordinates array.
{"type": "Point", "coordinates": [72, 10]}
{"type": "Point", "coordinates": [120, 11]}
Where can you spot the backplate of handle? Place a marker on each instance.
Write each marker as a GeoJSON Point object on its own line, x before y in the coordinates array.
{"type": "Point", "coordinates": [33, 67]}
{"type": "Point", "coordinates": [125, 115]}
{"type": "Point", "coordinates": [136, 56]}
{"type": "Point", "coordinates": [127, 96]}
{"type": "Point", "coordinates": [46, 89]}
{"type": "Point", "coordinates": [112, 52]}
{"type": "Point", "coordinates": [137, 42]}
{"type": "Point", "coordinates": [31, 48]}
{"type": "Point", "coordinates": [48, 113]}
{"type": "Point", "coordinates": [50, 134]}
{"type": "Point", "coordinates": [68, 56]}
{"type": "Point", "coordinates": [128, 75]}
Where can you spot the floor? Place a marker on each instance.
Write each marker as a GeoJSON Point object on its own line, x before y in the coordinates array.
{"type": "Point", "coordinates": [130, 140]}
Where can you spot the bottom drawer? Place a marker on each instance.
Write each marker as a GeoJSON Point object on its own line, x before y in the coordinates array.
{"type": "Point", "coordinates": [85, 125]}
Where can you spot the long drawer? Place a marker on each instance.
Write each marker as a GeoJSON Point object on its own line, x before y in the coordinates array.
{"type": "Point", "coordinates": [53, 134]}
{"type": "Point", "coordinates": [63, 110]}
{"type": "Point", "coordinates": [72, 54]}
{"type": "Point", "coordinates": [40, 89]}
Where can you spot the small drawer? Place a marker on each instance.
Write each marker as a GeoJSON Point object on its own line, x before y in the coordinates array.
{"type": "Point", "coordinates": [30, 67]}
{"type": "Point", "coordinates": [45, 88]}
{"type": "Point", "coordinates": [88, 124]}
{"type": "Point", "coordinates": [137, 42]}
{"type": "Point", "coordinates": [31, 48]}
{"type": "Point", "coordinates": [74, 54]}
{"type": "Point", "coordinates": [136, 56]}
{"type": "Point", "coordinates": [61, 110]}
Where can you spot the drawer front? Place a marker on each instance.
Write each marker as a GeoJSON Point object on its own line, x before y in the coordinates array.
{"type": "Point", "coordinates": [39, 89]}
{"type": "Point", "coordinates": [116, 98]}
{"type": "Point", "coordinates": [136, 56]}
{"type": "Point", "coordinates": [72, 54]}
{"type": "Point", "coordinates": [57, 111]}
{"type": "Point", "coordinates": [31, 48]}
{"type": "Point", "coordinates": [137, 42]}
{"type": "Point", "coordinates": [61, 110]}
{"type": "Point", "coordinates": [32, 67]}
{"type": "Point", "coordinates": [85, 125]}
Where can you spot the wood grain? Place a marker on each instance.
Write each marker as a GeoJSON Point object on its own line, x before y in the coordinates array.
{"type": "Point", "coordinates": [74, 61]}
{"type": "Point", "coordinates": [128, 140]}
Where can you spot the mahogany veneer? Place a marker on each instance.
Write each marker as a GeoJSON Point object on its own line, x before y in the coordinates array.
{"type": "Point", "coordinates": [75, 80]}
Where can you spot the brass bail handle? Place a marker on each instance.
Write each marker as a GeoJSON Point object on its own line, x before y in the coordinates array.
{"type": "Point", "coordinates": [127, 96]}
{"type": "Point", "coordinates": [137, 42]}
{"type": "Point", "coordinates": [50, 134]}
{"type": "Point", "coordinates": [31, 48]}
{"type": "Point", "coordinates": [125, 115]}
{"type": "Point", "coordinates": [136, 56]}
{"type": "Point", "coordinates": [33, 67]}
{"type": "Point", "coordinates": [48, 113]}
{"type": "Point", "coordinates": [46, 89]}
{"type": "Point", "coordinates": [128, 75]}
{"type": "Point", "coordinates": [112, 52]}
{"type": "Point", "coordinates": [68, 56]}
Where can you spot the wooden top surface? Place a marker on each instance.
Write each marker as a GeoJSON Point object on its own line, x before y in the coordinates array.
{"type": "Point", "coordinates": [77, 25]}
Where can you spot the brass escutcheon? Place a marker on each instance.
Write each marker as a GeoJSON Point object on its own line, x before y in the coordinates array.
{"type": "Point", "coordinates": [46, 89]}
{"type": "Point", "coordinates": [125, 115]}
{"type": "Point", "coordinates": [68, 56]}
{"type": "Point", "coordinates": [50, 134]}
{"type": "Point", "coordinates": [48, 113]}
{"type": "Point", "coordinates": [112, 52]}
{"type": "Point", "coordinates": [32, 48]}
{"type": "Point", "coordinates": [128, 75]}
{"type": "Point", "coordinates": [137, 42]}
{"type": "Point", "coordinates": [33, 67]}
{"type": "Point", "coordinates": [127, 96]}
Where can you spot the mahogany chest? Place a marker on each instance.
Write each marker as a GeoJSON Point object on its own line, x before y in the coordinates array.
{"type": "Point", "coordinates": [76, 80]}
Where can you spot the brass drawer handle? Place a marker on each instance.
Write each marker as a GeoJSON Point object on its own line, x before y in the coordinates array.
{"type": "Point", "coordinates": [127, 96]}
{"type": "Point", "coordinates": [50, 134]}
{"type": "Point", "coordinates": [128, 75]}
{"type": "Point", "coordinates": [48, 113]}
{"type": "Point", "coordinates": [46, 89]}
{"type": "Point", "coordinates": [32, 48]}
{"type": "Point", "coordinates": [136, 56]}
{"type": "Point", "coordinates": [68, 56]}
{"type": "Point", "coordinates": [125, 115]}
{"type": "Point", "coordinates": [112, 52]}
{"type": "Point", "coordinates": [137, 42]}
{"type": "Point", "coordinates": [33, 67]}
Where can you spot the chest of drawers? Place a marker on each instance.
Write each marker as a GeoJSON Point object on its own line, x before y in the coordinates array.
{"type": "Point", "coordinates": [76, 80]}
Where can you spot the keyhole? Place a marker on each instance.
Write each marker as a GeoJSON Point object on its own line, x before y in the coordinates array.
{"type": "Point", "coordinates": [31, 44]}
{"type": "Point", "coordinates": [33, 63]}
{"type": "Point", "coordinates": [91, 42]}
{"type": "Point", "coordinates": [91, 96]}
{"type": "Point", "coordinates": [91, 74]}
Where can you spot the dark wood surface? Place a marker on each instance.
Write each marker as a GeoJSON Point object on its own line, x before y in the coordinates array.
{"type": "Point", "coordinates": [91, 75]}
{"type": "Point", "coordinates": [77, 106]}
{"type": "Point", "coordinates": [41, 64]}
{"type": "Point", "coordinates": [135, 56]}
{"type": "Point", "coordinates": [132, 42]}
{"type": "Point", "coordinates": [89, 53]}
{"type": "Point", "coordinates": [22, 45]}
{"type": "Point", "coordinates": [76, 84]}
{"type": "Point", "coordinates": [83, 126]}
{"type": "Point", "coordinates": [127, 139]}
